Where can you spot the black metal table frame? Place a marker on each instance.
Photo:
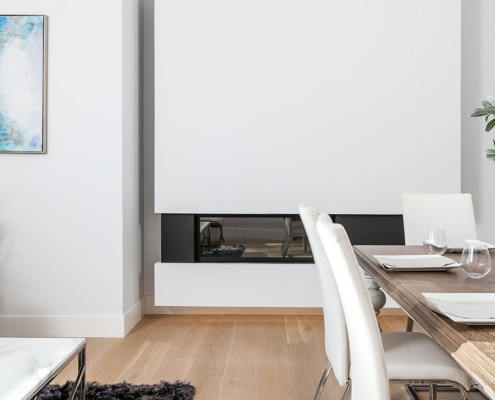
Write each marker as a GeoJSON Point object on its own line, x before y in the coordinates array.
{"type": "Point", "coordinates": [80, 381]}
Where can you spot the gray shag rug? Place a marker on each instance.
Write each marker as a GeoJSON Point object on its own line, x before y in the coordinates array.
{"type": "Point", "coordinates": [123, 391]}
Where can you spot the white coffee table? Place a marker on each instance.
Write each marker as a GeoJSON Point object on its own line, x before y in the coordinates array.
{"type": "Point", "coordinates": [27, 365]}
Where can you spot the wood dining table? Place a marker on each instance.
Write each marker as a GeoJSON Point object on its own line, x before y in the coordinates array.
{"type": "Point", "coordinates": [472, 346]}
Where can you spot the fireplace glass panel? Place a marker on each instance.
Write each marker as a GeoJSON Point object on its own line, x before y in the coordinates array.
{"type": "Point", "coordinates": [252, 239]}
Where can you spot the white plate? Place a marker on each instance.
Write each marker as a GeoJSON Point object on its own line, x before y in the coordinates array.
{"type": "Point", "coordinates": [464, 303]}
{"type": "Point", "coordinates": [458, 246]}
{"type": "Point", "coordinates": [419, 262]}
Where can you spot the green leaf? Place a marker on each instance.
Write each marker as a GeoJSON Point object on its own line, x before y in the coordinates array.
{"type": "Point", "coordinates": [490, 154]}
{"type": "Point", "coordinates": [490, 125]}
{"type": "Point", "coordinates": [479, 112]}
{"type": "Point", "coordinates": [486, 103]}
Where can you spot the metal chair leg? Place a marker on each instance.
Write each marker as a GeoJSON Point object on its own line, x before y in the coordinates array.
{"type": "Point", "coordinates": [409, 326]}
{"type": "Point", "coordinates": [432, 393]}
{"type": "Point", "coordinates": [284, 244]}
{"type": "Point", "coordinates": [433, 389]}
{"type": "Point", "coordinates": [461, 389]}
{"type": "Point", "coordinates": [323, 381]}
{"type": "Point", "coordinates": [347, 391]}
{"type": "Point", "coordinates": [286, 249]}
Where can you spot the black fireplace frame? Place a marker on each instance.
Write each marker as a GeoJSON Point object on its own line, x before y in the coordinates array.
{"type": "Point", "coordinates": [180, 241]}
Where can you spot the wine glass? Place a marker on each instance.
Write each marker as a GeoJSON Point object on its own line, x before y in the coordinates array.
{"type": "Point", "coordinates": [435, 242]}
{"type": "Point", "coordinates": [476, 261]}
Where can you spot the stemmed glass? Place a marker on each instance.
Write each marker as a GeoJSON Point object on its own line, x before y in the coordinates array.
{"type": "Point", "coordinates": [435, 242]}
{"type": "Point", "coordinates": [476, 261]}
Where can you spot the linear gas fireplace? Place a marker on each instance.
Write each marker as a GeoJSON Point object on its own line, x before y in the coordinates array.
{"type": "Point", "coordinates": [273, 238]}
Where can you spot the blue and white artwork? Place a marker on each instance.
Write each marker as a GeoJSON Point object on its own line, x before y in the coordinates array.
{"type": "Point", "coordinates": [22, 80]}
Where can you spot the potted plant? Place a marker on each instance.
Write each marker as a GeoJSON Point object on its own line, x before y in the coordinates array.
{"type": "Point", "coordinates": [487, 111]}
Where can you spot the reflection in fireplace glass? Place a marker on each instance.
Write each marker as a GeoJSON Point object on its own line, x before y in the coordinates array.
{"type": "Point", "coordinates": [253, 239]}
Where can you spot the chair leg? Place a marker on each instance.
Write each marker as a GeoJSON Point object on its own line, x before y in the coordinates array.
{"type": "Point", "coordinates": [284, 242]}
{"type": "Point", "coordinates": [323, 381]}
{"type": "Point", "coordinates": [461, 389]}
{"type": "Point", "coordinates": [432, 393]}
{"type": "Point", "coordinates": [433, 389]}
{"type": "Point", "coordinates": [222, 240]}
{"type": "Point", "coordinates": [285, 249]}
{"type": "Point", "coordinates": [346, 391]}
{"type": "Point", "coordinates": [409, 326]}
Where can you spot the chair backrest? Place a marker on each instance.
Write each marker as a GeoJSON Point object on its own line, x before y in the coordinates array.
{"type": "Point", "coordinates": [454, 213]}
{"type": "Point", "coordinates": [369, 371]}
{"type": "Point", "coordinates": [336, 342]}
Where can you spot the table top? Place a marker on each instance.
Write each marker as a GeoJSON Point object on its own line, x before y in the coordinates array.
{"type": "Point", "coordinates": [472, 346]}
{"type": "Point", "coordinates": [27, 364]}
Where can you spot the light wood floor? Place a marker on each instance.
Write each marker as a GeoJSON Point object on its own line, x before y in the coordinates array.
{"type": "Point", "coordinates": [235, 357]}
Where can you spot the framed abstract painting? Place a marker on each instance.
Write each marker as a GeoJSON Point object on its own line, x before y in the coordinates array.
{"type": "Point", "coordinates": [23, 58]}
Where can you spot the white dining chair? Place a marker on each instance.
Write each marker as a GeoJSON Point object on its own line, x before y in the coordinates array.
{"type": "Point", "coordinates": [336, 343]}
{"type": "Point", "coordinates": [453, 213]}
{"type": "Point", "coordinates": [377, 358]}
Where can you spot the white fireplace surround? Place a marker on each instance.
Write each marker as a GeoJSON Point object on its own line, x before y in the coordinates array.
{"type": "Point", "coordinates": [260, 106]}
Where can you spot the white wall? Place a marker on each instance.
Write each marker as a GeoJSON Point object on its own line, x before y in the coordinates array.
{"type": "Point", "coordinates": [343, 104]}
{"type": "Point", "coordinates": [131, 161]}
{"type": "Point", "coordinates": [478, 81]}
{"type": "Point", "coordinates": [65, 216]}
{"type": "Point", "coordinates": [151, 234]}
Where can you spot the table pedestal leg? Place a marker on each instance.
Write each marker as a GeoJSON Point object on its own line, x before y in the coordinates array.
{"type": "Point", "coordinates": [377, 296]}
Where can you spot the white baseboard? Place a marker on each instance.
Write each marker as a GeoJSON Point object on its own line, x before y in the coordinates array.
{"type": "Point", "coordinates": [71, 325]}
{"type": "Point", "coordinates": [62, 326]}
{"type": "Point", "coordinates": [120, 326]}
{"type": "Point", "coordinates": [133, 316]}
{"type": "Point", "coordinates": [151, 309]}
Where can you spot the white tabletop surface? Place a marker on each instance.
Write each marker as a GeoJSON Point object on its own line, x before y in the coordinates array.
{"type": "Point", "coordinates": [27, 363]}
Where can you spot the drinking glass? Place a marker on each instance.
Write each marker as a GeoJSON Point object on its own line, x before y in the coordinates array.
{"type": "Point", "coordinates": [435, 242]}
{"type": "Point", "coordinates": [476, 261]}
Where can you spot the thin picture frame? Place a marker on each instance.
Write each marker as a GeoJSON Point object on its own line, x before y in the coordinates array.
{"type": "Point", "coordinates": [23, 84]}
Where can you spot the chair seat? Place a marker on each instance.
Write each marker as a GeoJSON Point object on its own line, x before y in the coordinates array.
{"type": "Point", "coordinates": [415, 356]}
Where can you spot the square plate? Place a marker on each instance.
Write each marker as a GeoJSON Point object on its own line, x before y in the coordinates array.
{"type": "Point", "coordinates": [460, 298]}
{"type": "Point", "coordinates": [417, 262]}
{"type": "Point", "coordinates": [457, 247]}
